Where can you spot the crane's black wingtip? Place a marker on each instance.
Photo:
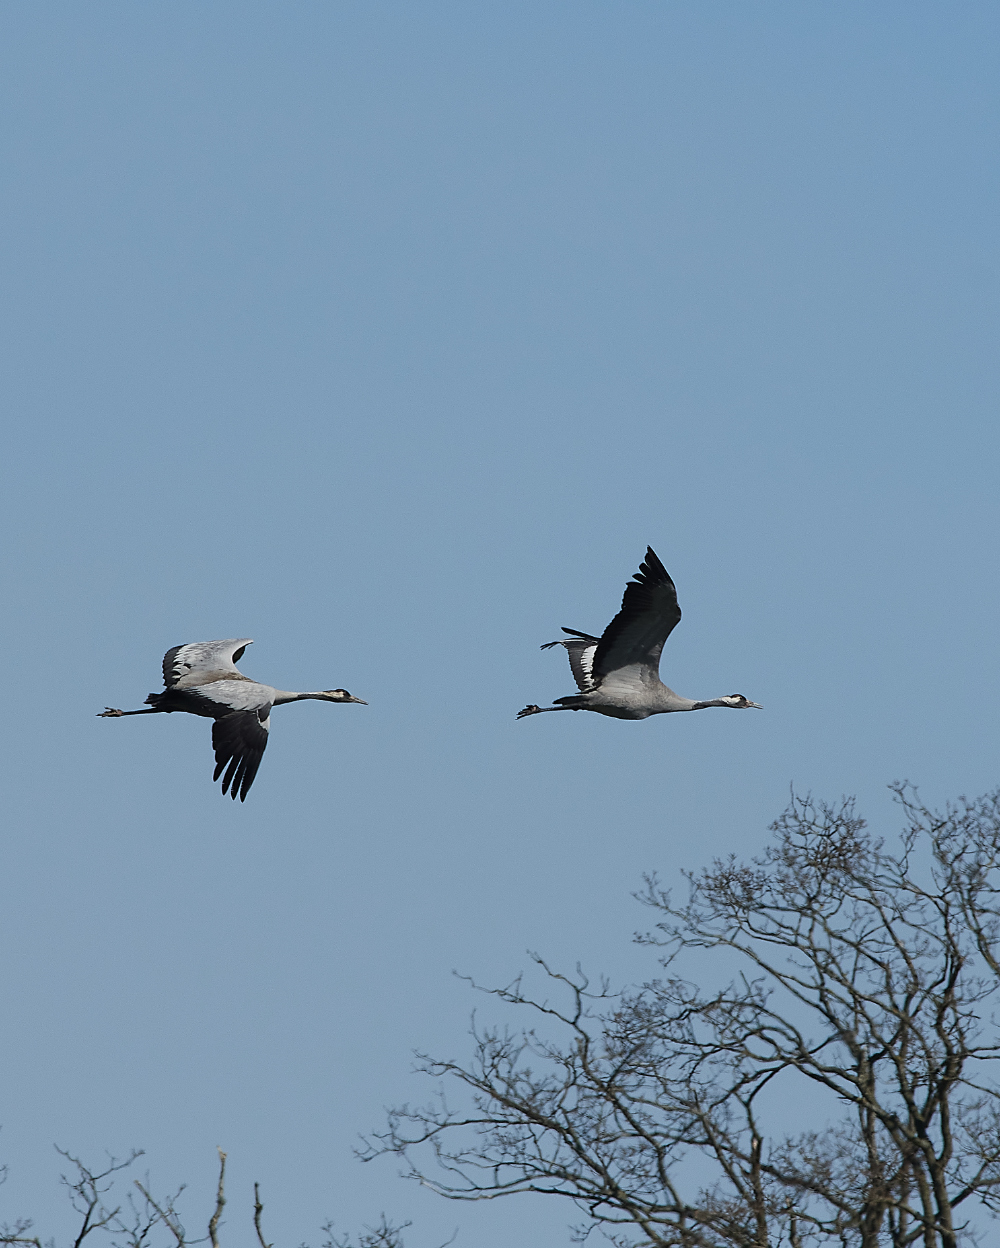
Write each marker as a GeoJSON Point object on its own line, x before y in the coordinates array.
{"type": "Point", "coordinates": [651, 570]}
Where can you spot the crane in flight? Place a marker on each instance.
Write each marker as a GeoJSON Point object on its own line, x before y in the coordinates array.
{"type": "Point", "coordinates": [202, 679]}
{"type": "Point", "coordinates": [618, 673]}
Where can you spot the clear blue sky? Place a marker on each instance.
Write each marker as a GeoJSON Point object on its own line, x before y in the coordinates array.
{"type": "Point", "coordinates": [389, 335]}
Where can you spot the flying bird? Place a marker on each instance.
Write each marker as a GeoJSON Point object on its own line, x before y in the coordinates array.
{"type": "Point", "coordinates": [202, 679]}
{"type": "Point", "coordinates": [618, 673]}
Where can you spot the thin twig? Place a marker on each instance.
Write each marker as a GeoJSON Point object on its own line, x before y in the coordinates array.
{"type": "Point", "coordinates": [169, 1221]}
{"type": "Point", "coordinates": [220, 1200]}
{"type": "Point", "coordinates": [258, 1209]}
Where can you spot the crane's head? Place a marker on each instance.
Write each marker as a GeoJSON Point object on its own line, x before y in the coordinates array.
{"type": "Point", "coordinates": [341, 695]}
{"type": "Point", "coordinates": [739, 703]}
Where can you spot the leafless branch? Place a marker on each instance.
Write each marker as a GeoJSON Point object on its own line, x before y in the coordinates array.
{"type": "Point", "coordinates": [133, 1225]}
{"type": "Point", "coordinates": [258, 1210]}
{"type": "Point", "coordinates": [220, 1200]}
{"type": "Point", "coordinates": [870, 975]}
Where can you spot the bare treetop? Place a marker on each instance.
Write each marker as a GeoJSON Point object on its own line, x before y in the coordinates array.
{"type": "Point", "coordinates": [869, 976]}
{"type": "Point", "coordinates": [147, 1221]}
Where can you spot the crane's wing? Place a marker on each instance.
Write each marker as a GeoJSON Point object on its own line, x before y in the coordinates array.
{"type": "Point", "coordinates": [190, 664]}
{"type": "Point", "coordinates": [239, 740]}
{"type": "Point", "coordinates": [648, 616]}
{"type": "Point", "coordinates": [580, 648]}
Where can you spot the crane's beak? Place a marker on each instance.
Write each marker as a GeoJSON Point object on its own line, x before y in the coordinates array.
{"type": "Point", "coordinates": [361, 700]}
{"type": "Point", "coordinates": [756, 705]}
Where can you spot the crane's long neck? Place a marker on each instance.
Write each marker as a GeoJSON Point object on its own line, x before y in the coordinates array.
{"type": "Point", "coordinates": [668, 700]}
{"type": "Point", "coordinates": [281, 696]}
{"type": "Point", "coordinates": [700, 706]}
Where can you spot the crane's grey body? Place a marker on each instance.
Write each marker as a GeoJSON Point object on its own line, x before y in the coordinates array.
{"type": "Point", "coordinates": [617, 674]}
{"type": "Point", "coordinates": [202, 678]}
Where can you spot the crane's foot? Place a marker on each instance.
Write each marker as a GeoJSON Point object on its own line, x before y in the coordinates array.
{"type": "Point", "coordinates": [529, 710]}
{"type": "Point", "coordinates": [109, 712]}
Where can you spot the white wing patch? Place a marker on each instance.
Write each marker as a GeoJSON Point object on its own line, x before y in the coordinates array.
{"type": "Point", "coordinates": [580, 651]}
{"type": "Point", "coordinates": [581, 662]}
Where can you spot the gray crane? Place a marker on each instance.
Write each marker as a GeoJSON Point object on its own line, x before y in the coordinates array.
{"type": "Point", "coordinates": [618, 674]}
{"type": "Point", "coordinates": [202, 679]}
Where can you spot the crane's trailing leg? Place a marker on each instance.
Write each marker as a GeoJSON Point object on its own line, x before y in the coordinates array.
{"type": "Point", "coordinates": [537, 710]}
{"type": "Point", "coordinates": [109, 712]}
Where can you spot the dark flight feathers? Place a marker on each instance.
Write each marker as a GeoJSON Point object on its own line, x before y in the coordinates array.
{"type": "Point", "coordinates": [240, 739]}
{"type": "Point", "coordinates": [170, 676]}
{"type": "Point", "coordinates": [648, 616]}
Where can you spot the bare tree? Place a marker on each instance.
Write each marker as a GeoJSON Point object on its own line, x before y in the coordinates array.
{"type": "Point", "coordinates": [142, 1220]}
{"type": "Point", "coordinates": [864, 980]}
{"type": "Point", "coordinates": [129, 1223]}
